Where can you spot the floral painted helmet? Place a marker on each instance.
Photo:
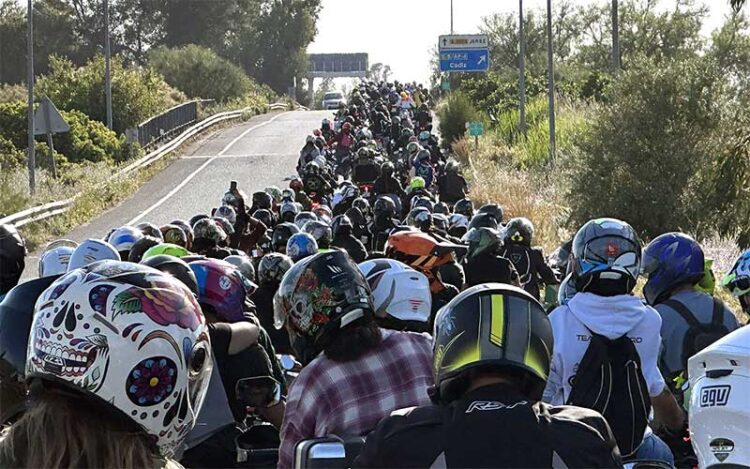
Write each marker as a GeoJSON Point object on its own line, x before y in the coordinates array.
{"type": "Point", "coordinates": [319, 295]}
{"type": "Point", "coordinates": [130, 336]}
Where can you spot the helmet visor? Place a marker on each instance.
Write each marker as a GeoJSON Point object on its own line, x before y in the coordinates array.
{"type": "Point", "coordinates": [610, 253]}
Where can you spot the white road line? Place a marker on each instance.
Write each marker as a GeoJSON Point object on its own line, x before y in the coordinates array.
{"type": "Point", "coordinates": [200, 168]}
{"type": "Point", "coordinates": [257, 155]}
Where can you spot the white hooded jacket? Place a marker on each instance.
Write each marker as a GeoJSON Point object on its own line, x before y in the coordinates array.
{"type": "Point", "coordinates": [611, 317]}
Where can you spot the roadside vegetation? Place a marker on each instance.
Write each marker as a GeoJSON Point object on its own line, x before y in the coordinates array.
{"type": "Point", "coordinates": [664, 145]}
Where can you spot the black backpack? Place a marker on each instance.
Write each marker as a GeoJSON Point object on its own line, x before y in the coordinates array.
{"type": "Point", "coordinates": [610, 381]}
{"type": "Point", "coordinates": [699, 335]}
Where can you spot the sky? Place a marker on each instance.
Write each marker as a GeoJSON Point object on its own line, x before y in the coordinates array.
{"type": "Point", "coordinates": [401, 33]}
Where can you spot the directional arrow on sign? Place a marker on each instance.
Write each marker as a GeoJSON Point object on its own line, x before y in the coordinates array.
{"type": "Point", "coordinates": [482, 59]}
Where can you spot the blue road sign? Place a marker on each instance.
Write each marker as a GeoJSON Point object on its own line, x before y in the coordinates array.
{"type": "Point", "coordinates": [464, 60]}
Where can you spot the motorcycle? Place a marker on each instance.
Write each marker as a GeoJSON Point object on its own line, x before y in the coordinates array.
{"type": "Point", "coordinates": [258, 444]}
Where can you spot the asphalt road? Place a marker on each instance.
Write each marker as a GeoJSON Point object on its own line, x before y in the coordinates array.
{"type": "Point", "coordinates": [257, 154]}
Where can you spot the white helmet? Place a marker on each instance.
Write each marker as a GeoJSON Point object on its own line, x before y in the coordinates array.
{"type": "Point", "coordinates": [124, 237]}
{"type": "Point", "coordinates": [92, 250]}
{"type": "Point", "coordinates": [398, 290]}
{"type": "Point", "coordinates": [132, 338]}
{"type": "Point", "coordinates": [227, 212]}
{"type": "Point", "coordinates": [720, 401]}
{"type": "Point", "coordinates": [55, 261]}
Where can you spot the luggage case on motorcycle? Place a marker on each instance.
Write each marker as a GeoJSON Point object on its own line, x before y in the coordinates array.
{"type": "Point", "coordinates": [327, 453]}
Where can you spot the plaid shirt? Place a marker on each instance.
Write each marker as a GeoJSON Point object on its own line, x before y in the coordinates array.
{"type": "Point", "coordinates": [350, 398]}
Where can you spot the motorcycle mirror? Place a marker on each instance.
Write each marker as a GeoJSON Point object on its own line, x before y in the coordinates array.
{"type": "Point", "coordinates": [262, 391]}
{"type": "Point", "coordinates": [287, 362]}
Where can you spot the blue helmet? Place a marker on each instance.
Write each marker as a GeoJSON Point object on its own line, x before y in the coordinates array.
{"type": "Point", "coordinates": [607, 256]}
{"type": "Point", "coordinates": [669, 261]}
{"type": "Point", "coordinates": [301, 245]}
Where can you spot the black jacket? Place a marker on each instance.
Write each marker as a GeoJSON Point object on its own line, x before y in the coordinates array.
{"type": "Point", "coordinates": [493, 426]}
{"type": "Point", "coordinates": [489, 268]}
{"type": "Point", "coordinates": [531, 266]}
{"type": "Point", "coordinates": [352, 246]}
{"type": "Point", "coordinates": [263, 299]}
{"type": "Point", "coordinates": [452, 187]}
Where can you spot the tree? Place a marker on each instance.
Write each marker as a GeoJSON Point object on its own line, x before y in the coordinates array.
{"type": "Point", "coordinates": [379, 72]}
{"type": "Point", "coordinates": [737, 4]}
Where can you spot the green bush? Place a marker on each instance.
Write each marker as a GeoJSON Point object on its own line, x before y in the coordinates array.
{"type": "Point", "coordinates": [200, 73]}
{"type": "Point", "coordinates": [9, 93]}
{"type": "Point", "coordinates": [647, 150]}
{"type": "Point", "coordinates": [453, 114]}
{"type": "Point", "coordinates": [10, 156]}
{"type": "Point", "coordinates": [137, 93]}
{"type": "Point", "coordinates": [88, 140]}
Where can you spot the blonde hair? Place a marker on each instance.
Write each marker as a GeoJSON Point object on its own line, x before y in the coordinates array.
{"type": "Point", "coordinates": [62, 430]}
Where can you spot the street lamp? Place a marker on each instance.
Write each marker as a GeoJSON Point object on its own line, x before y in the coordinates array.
{"type": "Point", "coordinates": [30, 86]}
{"type": "Point", "coordinates": [521, 70]}
{"type": "Point", "coordinates": [107, 60]}
{"type": "Point", "coordinates": [551, 85]}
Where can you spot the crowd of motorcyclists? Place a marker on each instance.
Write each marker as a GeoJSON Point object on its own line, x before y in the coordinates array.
{"type": "Point", "coordinates": [369, 298]}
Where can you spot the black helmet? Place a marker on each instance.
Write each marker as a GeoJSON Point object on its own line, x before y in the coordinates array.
{"type": "Point", "coordinates": [482, 241]}
{"type": "Point", "coordinates": [262, 199]}
{"type": "Point", "coordinates": [493, 209]}
{"type": "Point", "coordinates": [281, 235]}
{"type": "Point", "coordinates": [362, 204]}
{"type": "Point", "coordinates": [272, 267]}
{"type": "Point", "coordinates": [16, 316]}
{"type": "Point", "coordinates": [149, 229]}
{"type": "Point", "coordinates": [606, 257]}
{"type": "Point", "coordinates": [175, 267]}
{"type": "Point", "coordinates": [355, 215]}
{"type": "Point", "coordinates": [141, 246]}
{"type": "Point", "coordinates": [419, 217]}
{"type": "Point", "coordinates": [441, 222]}
{"type": "Point", "coordinates": [264, 216]}
{"type": "Point", "coordinates": [492, 325]}
{"type": "Point", "coordinates": [320, 231]}
{"type": "Point", "coordinates": [196, 218]}
{"type": "Point", "coordinates": [464, 207]}
{"type": "Point", "coordinates": [385, 205]}
{"type": "Point", "coordinates": [341, 224]}
{"type": "Point", "coordinates": [311, 319]}
{"type": "Point", "coordinates": [519, 230]}
{"type": "Point", "coordinates": [483, 220]}
{"type": "Point", "coordinates": [388, 169]}
{"type": "Point", "coordinates": [288, 211]}
{"type": "Point", "coordinates": [12, 257]}
{"type": "Point", "coordinates": [243, 264]}
{"type": "Point", "coordinates": [423, 202]}
{"type": "Point", "coordinates": [441, 208]}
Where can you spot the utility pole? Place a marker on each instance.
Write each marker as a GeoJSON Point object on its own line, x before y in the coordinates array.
{"type": "Point", "coordinates": [551, 85]}
{"type": "Point", "coordinates": [615, 37]}
{"type": "Point", "coordinates": [521, 70]}
{"type": "Point", "coordinates": [107, 60]}
{"type": "Point", "coordinates": [451, 16]}
{"type": "Point", "coordinates": [30, 86]}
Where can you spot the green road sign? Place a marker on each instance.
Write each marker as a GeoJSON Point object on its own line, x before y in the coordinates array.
{"type": "Point", "coordinates": [475, 128]}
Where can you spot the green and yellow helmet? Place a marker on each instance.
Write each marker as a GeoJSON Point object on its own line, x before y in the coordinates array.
{"type": "Point", "coordinates": [491, 325]}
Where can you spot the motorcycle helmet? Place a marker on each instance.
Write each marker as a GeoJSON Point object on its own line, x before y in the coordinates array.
{"type": "Point", "coordinates": [319, 296]}
{"type": "Point", "coordinates": [90, 251]}
{"type": "Point", "coordinates": [16, 316]}
{"type": "Point", "coordinates": [222, 290]}
{"type": "Point", "coordinates": [452, 167]}
{"type": "Point", "coordinates": [707, 283]}
{"type": "Point", "coordinates": [281, 235]}
{"type": "Point", "coordinates": [483, 220]}
{"type": "Point", "coordinates": [289, 211]}
{"type": "Point", "coordinates": [737, 281]}
{"type": "Point", "coordinates": [519, 230]}
{"type": "Point", "coordinates": [175, 267]}
{"type": "Point", "coordinates": [123, 239]}
{"type": "Point", "coordinates": [419, 217]}
{"type": "Point", "coordinates": [274, 192]}
{"type": "Point", "coordinates": [423, 156]}
{"type": "Point", "coordinates": [466, 339]}
{"type": "Point", "coordinates": [196, 218]}
{"type": "Point", "coordinates": [606, 257]}
{"type": "Point", "coordinates": [301, 245]}
{"type": "Point", "coordinates": [149, 229]}
{"type": "Point", "coordinates": [173, 234]}
{"type": "Point", "coordinates": [187, 228]}
{"type": "Point", "coordinates": [235, 200]}
{"type": "Point", "coordinates": [417, 183]}
{"type": "Point", "coordinates": [208, 228]}
{"type": "Point", "coordinates": [423, 202]}
{"type": "Point", "coordinates": [384, 207]}
{"type": "Point", "coordinates": [55, 257]}
{"type": "Point", "coordinates": [441, 208]}
{"type": "Point", "coordinates": [225, 225]}
{"type": "Point", "coordinates": [482, 241]}
{"type": "Point", "coordinates": [398, 290]}
{"type": "Point", "coordinates": [464, 207]}
{"type": "Point", "coordinates": [387, 169]}
{"type": "Point", "coordinates": [669, 261]}
{"type": "Point", "coordinates": [458, 225]}
{"type": "Point", "coordinates": [243, 264]}
{"type": "Point", "coordinates": [424, 136]}
{"type": "Point", "coordinates": [323, 213]}
{"type": "Point", "coordinates": [320, 231]}
{"type": "Point", "coordinates": [272, 268]}
{"type": "Point", "coordinates": [152, 362]}
{"type": "Point", "coordinates": [341, 225]}
{"type": "Point", "coordinates": [288, 195]}
{"type": "Point", "coordinates": [262, 199]}
{"type": "Point", "coordinates": [227, 212]}
{"type": "Point", "coordinates": [493, 209]}
{"type": "Point", "coordinates": [303, 218]}
{"type": "Point", "coordinates": [264, 216]}
{"type": "Point", "coordinates": [421, 252]}
{"type": "Point", "coordinates": [165, 249]}
{"type": "Point", "coordinates": [363, 205]}
{"type": "Point", "coordinates": [440, 222]}
{"type": "Point", "coordinates": [412, 147]}
{"type": "Point", "coordinates": [141, 246]}
{"type": "Point", "coordinates": [311, 169]}
{"type": "Point", "coordinates": [296, 184]}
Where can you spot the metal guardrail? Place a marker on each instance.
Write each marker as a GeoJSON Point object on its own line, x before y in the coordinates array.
{"type": "Point", "coordinates": [51, 209]}
{"type": "Point", "coordinates": [166, 124]}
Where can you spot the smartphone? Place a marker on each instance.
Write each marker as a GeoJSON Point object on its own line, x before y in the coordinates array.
{"type": "Point", "coordinates": [232, 186]}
